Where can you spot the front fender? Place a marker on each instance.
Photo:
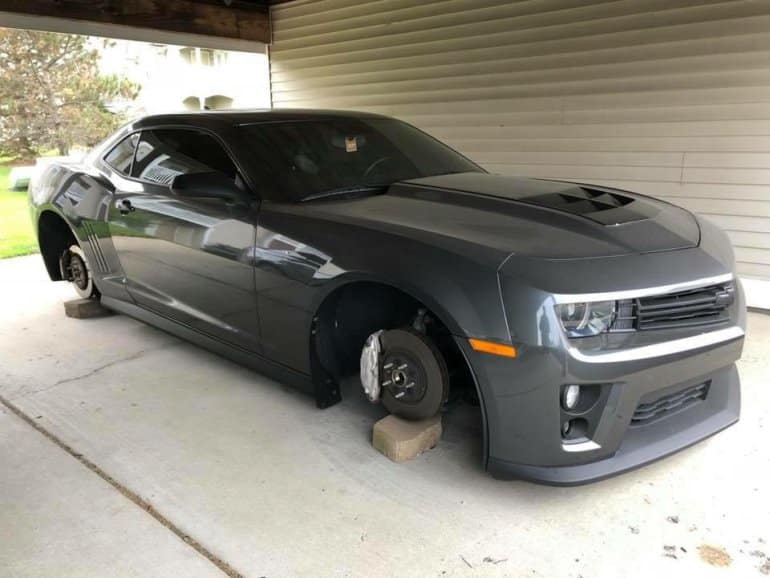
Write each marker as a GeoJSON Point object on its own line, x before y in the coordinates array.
{"type": "Point", "coordinates": [457, 281]}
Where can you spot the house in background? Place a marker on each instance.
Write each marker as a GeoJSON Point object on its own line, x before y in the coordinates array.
{"type": "Point", "coordinates": [172, 79]}
{"type": "Point", "coordinates": [178, 78]}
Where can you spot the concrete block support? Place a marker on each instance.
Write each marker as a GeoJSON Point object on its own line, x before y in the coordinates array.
{"type": "Point", "coordinates": [85, 309]}
{"type": "Point", "coordinates": [403, 440]}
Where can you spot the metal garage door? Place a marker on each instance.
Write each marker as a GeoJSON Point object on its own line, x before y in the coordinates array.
{"type": "Point", "coordinates": [665, 97]}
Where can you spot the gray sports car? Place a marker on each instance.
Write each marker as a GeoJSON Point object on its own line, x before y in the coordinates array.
{"type": "Point", "coordinates": [597, 329]}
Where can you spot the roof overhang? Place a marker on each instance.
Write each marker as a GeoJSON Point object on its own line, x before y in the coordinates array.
{"type": "Point", "coordinates": [235, 25]}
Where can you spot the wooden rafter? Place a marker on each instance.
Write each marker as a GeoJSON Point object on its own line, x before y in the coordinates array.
{"type": "Point", "coordinates": [239, 21]}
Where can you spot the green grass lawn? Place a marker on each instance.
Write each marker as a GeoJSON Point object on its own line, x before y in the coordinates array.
{"type": "Point", "coordinates": [16, 234]}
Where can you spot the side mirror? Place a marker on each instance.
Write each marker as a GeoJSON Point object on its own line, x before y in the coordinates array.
{"type": "Point", "coordinates": [213, 185]}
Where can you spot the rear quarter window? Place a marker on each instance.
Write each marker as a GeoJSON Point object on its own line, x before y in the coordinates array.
{"type": "Point", "coordinates": [162, 154]}
{"type": "Point", "coordinates": [121, 156]}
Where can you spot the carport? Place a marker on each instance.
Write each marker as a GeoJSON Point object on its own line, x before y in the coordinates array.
{"type": "Point", "coordinates": [151, 457]}
{"type": "Point", "coordinates": [664, 98]}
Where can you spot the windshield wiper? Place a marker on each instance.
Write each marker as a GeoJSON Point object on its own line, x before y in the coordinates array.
{"type": "Point", "coordinates": [347, 191]}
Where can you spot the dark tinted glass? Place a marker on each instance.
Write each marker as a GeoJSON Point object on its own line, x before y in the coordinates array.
{"type": "Point", "coordinates": [122, 154]}
{"type": "Point", "coordinates": [163, 154]}
{"type": "Point", "coordinates": [299, 159]}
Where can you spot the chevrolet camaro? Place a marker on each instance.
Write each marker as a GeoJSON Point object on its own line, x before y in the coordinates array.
{"type": "Point", "coordinates": [596, 329]}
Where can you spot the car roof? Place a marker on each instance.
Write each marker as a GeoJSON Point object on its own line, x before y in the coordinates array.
{"type": "Point", "coordinates": [252, 116]}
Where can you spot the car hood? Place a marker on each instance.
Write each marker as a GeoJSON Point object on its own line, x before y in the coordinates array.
{"type": "Point", "coordinates": [526, 217]}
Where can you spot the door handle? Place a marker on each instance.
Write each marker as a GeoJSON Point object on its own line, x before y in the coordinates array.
{"type": "Point", "coordinates": [124, 206]}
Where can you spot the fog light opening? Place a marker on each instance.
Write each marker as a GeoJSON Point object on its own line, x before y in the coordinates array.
{"type": "Point", "coordinates": [574, 429]}
{"type": "Point", "coordinates": [570, 397]}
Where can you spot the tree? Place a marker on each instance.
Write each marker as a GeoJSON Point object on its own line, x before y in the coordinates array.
{"type": "Point", "coordinates": [52, 95]}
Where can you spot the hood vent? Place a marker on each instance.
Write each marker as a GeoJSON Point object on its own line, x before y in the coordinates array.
{"type": "Point", "coordinates": [594, 203]}
{"type": "Point", "coordinates": [608, 208]}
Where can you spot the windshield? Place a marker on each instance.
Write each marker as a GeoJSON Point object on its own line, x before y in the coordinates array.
{"type": "Point", "coordinates": [306, 159]}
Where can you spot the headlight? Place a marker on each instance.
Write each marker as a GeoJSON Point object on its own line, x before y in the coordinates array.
{"type": "Point", "coordinates": [585, 319]}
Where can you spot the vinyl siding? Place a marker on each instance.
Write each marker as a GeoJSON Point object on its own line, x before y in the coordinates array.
{"type": "Point", "coordinates": [670, 98]}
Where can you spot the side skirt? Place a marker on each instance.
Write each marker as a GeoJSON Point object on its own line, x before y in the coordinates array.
{"type": "Point", "coordinates": [271, 369]}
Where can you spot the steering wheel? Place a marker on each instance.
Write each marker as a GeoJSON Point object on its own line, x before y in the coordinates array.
{"type": "Point", "coordinates": [371, 168]}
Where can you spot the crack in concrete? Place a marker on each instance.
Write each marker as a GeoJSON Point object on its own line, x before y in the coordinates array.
{"type": "Point", "coordinates": [125, 491]}
{"type": "Point", "coordinates": [97, 370]}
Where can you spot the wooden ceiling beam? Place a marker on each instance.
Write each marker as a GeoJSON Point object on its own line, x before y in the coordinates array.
{"type": "Point", "coordinates": [226, 26]}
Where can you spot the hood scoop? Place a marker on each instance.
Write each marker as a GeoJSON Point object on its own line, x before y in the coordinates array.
{"type": "Point", "coordinates": [607, 208]}
{"type": "Point", "coordinates": [529, 218]}
{"type": "Point", "coordinates": [598, 204]}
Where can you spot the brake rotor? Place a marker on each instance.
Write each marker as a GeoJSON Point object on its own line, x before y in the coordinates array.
{"type": "Point", "coordinates": [413, 374]}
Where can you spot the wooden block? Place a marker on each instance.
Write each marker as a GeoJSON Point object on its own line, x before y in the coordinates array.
{"type": "Point", "coordinates": [85, 309]}
{"type": "Point", "coordinates": [403, 440]}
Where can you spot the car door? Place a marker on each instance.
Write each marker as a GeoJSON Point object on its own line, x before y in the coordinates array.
{"type": "Point", "coordinates": [188, 259]}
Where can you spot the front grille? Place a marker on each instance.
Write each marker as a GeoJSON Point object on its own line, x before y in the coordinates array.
{"type": "Point", "coordinates": [705, 306]}
{"type": "Point", "coordinates": [694, 308]}
{"type": "Point", "coordinates": [668, 404]}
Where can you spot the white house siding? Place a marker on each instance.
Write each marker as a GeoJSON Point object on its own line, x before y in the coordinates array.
{"type": "Point", "coordinates": [665, 97]}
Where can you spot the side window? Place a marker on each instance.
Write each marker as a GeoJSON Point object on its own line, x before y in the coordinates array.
{"type": "Point", "coordinates": [122, 154]}
{"type": "Point", "coordinates": [163, 154]}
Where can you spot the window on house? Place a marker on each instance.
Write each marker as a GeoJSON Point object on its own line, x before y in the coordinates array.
{"type": "Point", "coordinates": [192, 103]}
{"type": "Point", "coordinates": [206, 57]}
{"type": "Point", "coordinates": [203, 56]}
{"type": "Point", "coordinates": [188, 54]}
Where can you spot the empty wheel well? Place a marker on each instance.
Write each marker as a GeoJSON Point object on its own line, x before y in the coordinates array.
{"type": "Point", "coordinates": [54, 237]}
{"type": "Point", "coordinates": [354, 311]}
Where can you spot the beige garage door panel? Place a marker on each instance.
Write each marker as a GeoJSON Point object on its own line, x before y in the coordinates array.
{"type": "Point", "coordinates": [670, 98]}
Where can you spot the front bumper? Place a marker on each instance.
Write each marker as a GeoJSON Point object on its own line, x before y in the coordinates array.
{"type": "Point", "coordinates": [522, 414]}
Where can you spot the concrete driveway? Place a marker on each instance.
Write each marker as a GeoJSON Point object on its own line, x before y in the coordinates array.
{"type": "Point", "coordinates": [127, 452]}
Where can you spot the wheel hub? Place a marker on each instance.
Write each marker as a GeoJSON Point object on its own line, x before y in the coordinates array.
{"type": "Point", "coordinates": [78, 271]}
{"type": "Point", "coordinates": [403, 376]}
{"type": "Point", "coordinates": [398, 377]}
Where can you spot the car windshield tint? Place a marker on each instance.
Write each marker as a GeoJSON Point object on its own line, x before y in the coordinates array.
{"type": "Point", "coordinates": [297, 160]}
